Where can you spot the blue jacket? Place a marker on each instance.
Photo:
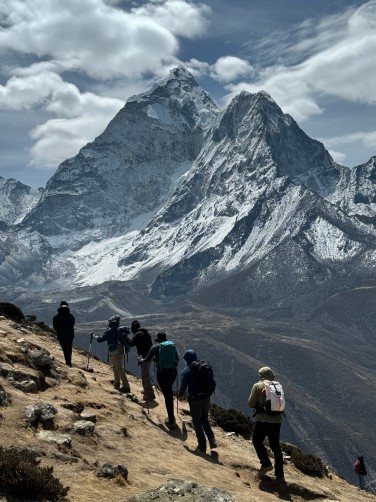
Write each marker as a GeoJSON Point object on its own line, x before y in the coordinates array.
{"type": "Point", "coordinates": [187, 379]}
{"type": "Point", "coordinates": [111, 337]}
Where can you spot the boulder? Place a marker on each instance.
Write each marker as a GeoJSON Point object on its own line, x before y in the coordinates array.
{"type": "Point", "coordinates": [110, 471]}
{"type": "Point", "coordinates": [54, 437]}
{"type": "Point", "coordinates": [40, 413]}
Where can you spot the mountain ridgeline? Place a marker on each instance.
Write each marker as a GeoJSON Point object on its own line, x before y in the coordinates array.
{"type": "Point", "coordinates": [182, 211]}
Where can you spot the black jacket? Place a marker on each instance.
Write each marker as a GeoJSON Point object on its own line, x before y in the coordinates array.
{"type": "Point", "coordinates": [63, 323]}
{"type": "Point", "coordinates": [142, 341]}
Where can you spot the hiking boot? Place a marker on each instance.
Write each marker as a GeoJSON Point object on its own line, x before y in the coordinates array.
{"type": "Point", "coordinates": [281, 484]}
{"type": "Point", "coordinates": [148, 398]}
{"type": "Point", "coordinates": [170, 425]}
{"type": "Point", "coordinates": [117, 385]}
{"type": "Point", "coordinates": [264, 469]}
{"type": "Point", "coordinates": [125, 390]}
{"type": "Point", "coordinates": [212, 443]}
{"type": "Point", "coordinates": [200, 449]}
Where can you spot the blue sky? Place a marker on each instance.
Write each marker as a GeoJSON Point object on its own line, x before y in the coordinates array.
{"type": "Point", "coordinates": [66, 68]}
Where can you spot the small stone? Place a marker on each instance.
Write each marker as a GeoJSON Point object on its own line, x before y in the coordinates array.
{"type": "Point", "coordinates": [83, 427]}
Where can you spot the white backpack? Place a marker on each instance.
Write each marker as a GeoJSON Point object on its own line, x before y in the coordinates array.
{"type": "Point", "coordinates": [274, 396]}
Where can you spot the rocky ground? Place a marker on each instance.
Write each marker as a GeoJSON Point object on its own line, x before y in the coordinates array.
{"type": "Point", "coordinates": [74, 420]}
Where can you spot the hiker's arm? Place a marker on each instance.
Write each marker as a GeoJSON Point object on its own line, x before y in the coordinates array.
{"type": "Point", "coordinates": [150, 354]}
{"type": "Point", "coordinates": [184, 383]}
{"type": "Point", "coordinates": [253, 398]}
{"type": "Point", "coordinates": [102, 338]}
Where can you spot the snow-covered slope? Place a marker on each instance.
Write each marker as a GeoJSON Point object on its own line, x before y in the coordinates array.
{"type": "Point", "coordinates": [16, 200]}
{"type": "Point", "coordinates": [183, 196]}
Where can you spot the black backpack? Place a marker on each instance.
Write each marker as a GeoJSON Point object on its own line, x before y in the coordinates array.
{"type": "Point", "coordinates": [123, 332]}
{"type": "Point", "coordinates": [203, 378]}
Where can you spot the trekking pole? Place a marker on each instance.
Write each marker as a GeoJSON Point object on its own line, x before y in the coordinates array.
{"type": "Point", "coordinates": [88, 356]}
{"type": "Point", "coordinates": [177, 392]}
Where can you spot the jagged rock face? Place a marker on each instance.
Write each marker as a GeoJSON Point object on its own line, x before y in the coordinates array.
{"type": "Point", "coordinates": [128, 170]}
{"type": "Point", "coordinates": [16, 200]}
{"type": "Point", "coordinates": [181, 196]}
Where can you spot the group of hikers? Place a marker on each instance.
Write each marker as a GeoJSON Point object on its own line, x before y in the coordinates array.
{"type": "Point", "coordinates": [266, 397]}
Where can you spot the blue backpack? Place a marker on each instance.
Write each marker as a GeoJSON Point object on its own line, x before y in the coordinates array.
{"type": "Point", "coordinates": [167, 356]}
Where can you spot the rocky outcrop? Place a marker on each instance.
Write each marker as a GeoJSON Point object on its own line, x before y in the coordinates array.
{"type": "Point", "coordinates": [176, 489]}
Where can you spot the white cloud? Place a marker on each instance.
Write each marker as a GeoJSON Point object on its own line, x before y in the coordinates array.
{"type": "Point", "coordinates": [338, 64]}
{"type": "Point", "coordinates": [59, 139]}
{"type": "Point", "coordinates": [180, 17]}
{"type": "Point", "coordinates": [230, 68]}
{"type": "Point", "coordinates": [367, 139]}
{"type": "Point", "coordinates": [95, 41]}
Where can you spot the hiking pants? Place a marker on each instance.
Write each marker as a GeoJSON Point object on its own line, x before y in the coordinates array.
{"type": "Point", "coordinates": [200, 419]}
{"type": "Point", "coordinates": [146, 380]}
{"type": "Point", "coordinates": [361, 481]}
{"type": "Point", "coordinates": [272, 432]}
{"type": "Point", "coordinates": [166, 378]}
{"type": "Point", "coordinates": [66, 343]}
{"type": "Point", "coordinates": [119, 372]}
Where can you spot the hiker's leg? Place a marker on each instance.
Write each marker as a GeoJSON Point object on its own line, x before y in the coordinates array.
{"type": "Point", "coordinates": [164, 380]}
{"type": "Point", "coordinates": [205, 419]}
{"type": "Point", "coordinates": [64, 343]}
{"type": "Point", "coordinates": [258, 436]}
{"type": "Point", "coordinates": [361, 481]}
{"type": "Point", "coordinates": [195, 407]}
{"type": "Point", "coordinates": [273, 436]}
{"type": "Point", "coordinates": [146, 380]}
{"type": "Point", "coordinates": [119, 372]}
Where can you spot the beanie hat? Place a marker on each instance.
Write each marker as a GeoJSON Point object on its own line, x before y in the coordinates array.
{"type": "Point", "coordinates": [63, 302]}
{"type": "Point", "coordinates": [135, 326]}
{"type": "Point", "coordinates": [266, 373]}
{"type": "Point", "coordinates": [161, 337]}
{"type": "Point", "coordinates": [190, 356]}
{"type": "Point", "coordinates": [115, 319]}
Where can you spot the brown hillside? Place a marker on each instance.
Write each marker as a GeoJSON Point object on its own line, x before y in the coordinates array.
{"type": "Point", "coordinates": [127, 433]}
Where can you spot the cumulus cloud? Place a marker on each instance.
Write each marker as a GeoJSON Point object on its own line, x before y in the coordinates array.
{"type": "Point", "coordinates": [367, 138]}
{"type": "Point", "coordinates": [98, 39]}
{"type": "Point", "coordinates": [337, 64]}
{"type": "Point", "coordinates": [231, 68]}
{"type": "Point", "coordinates": [93, 40]}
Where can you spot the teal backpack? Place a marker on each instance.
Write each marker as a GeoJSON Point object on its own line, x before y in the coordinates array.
{"type": "Point", "coordinates": [167, 356]}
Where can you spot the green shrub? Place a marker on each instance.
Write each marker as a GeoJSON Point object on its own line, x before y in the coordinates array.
{"type": "Point", "coordinates": [231, 420]}
{"type": "Point", "coordinates": [308, 464]}
{"type": "Point", "coordinates": [22, 478]}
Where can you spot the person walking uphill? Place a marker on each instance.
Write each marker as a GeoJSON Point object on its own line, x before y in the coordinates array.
{"type": "Point", "coordinates": [166, 360]}
{"type": "Point", "coordinates": [142, 341]}
{"type": "Point", "coordinates": [111, 336]}
{"type": "Point", "coordinates": [268, 424]}
{"type": "Point", "coordinates": [63, 323]}
{"type": "Point", "coordinates": [361, 471]}
{"type": "Point", "coordinates": [200, 388]}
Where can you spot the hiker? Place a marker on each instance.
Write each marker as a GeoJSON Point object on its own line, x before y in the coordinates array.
{"type": "Point", "coordinates": [111, 336]}
{"type": "Point", "coordinates": [267, 425]}
{"type": "Point", "coordinates": [166, 360]}
{"type": "Point", "coordinates": [199, 392]}
{"type": "Point", "coordinates": [361, 471]}
{"type": "Point", "coordinates": [63, 323]}
{"type": "Point", "coordinates": [142, 341]}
